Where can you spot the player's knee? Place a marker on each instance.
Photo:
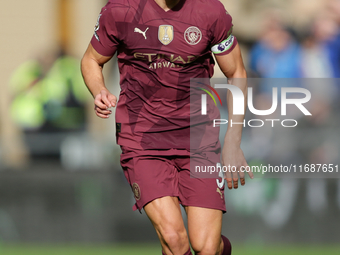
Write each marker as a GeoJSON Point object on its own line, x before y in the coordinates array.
{"type": "Point", "coordinates": [174, 238]}
{"type": "Point", "coordinates": [206, 248]}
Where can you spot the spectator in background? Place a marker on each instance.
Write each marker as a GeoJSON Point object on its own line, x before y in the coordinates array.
{"type": "Point", "coordinates": [333, 42]}
{"type": "Point", "coordinates": [48, 94]}
{"type": "Point", "coordinates": [276, 55]}
{"type": "Point", "coordinates": [318, 58]}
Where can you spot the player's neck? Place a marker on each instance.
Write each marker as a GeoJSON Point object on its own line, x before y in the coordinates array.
{"type": "Point", "coordinates": [166, 5]}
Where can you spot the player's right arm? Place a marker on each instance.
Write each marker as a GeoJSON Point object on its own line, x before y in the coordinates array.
{"type": "Point", "coordinates": [103, 46]}
{"type": "Point", "coordinates": [91, 67]}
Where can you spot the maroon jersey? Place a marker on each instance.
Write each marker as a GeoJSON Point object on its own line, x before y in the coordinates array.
{"type": "Point", "coordinates": [158, 53]}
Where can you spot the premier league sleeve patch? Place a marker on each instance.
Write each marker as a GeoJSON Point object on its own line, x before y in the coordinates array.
{"type": "Point", "coordinates": [224, 45]}
{"type": "Point", "coordinates": [96, 28]}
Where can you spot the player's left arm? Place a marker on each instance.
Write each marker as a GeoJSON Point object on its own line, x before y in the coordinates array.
{"type": "Point", "coordinates": [233, 68]}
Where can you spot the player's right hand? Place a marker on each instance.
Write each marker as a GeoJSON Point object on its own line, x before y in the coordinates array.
{"type": "Point", "coordinates": [102, 102]}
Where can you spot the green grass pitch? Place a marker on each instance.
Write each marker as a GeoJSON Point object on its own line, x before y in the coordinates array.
{"type": "Point", "coordinates": [154, 249]}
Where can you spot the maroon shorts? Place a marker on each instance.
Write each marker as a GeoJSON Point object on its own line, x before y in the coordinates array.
{"type": "Point", "coordinates": [154, 174]}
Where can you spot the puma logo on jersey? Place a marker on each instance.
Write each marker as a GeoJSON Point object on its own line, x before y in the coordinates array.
{"type": "Point", "coordinates": [219, 192]}
{"type": "Point", "coordinates": [137, 30]}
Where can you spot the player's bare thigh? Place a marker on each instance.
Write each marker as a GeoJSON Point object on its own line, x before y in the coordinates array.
{"type": "Point", "coordinates": [204, 227]}
{"type": "Point", "coordinates": [165, 215]}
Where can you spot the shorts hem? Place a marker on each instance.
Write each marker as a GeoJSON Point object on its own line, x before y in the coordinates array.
{"type": "Point", "coordinates": [137, 207]}
{"type": "Point", "coordinates": [224, 210]}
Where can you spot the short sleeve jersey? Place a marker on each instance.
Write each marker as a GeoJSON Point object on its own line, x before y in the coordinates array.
{"type": "Point", "coordinates": [158, 53]}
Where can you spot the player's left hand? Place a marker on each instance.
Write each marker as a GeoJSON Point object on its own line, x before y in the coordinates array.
{"type": "Point", "coordinates": [234, 160]}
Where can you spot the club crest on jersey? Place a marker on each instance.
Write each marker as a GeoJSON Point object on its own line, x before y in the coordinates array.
{"type": "Point", "coordinates": [96, 28]}
{"type": "Point", "coordinates": [192, 35]}
{"type": "Point", "coordinates": [165, 34]}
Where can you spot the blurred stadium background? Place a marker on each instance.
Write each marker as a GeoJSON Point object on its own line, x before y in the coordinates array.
{"type": "Point", "coordinates": [62, 190]}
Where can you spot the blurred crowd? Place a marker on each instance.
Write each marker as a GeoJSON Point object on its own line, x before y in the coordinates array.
{"type": "Point", "coordinates": [283, 52]}
{"type": "Point", "coordinates": [48, 93]}
{"type": "Point", "coordinates": [311, 56]}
